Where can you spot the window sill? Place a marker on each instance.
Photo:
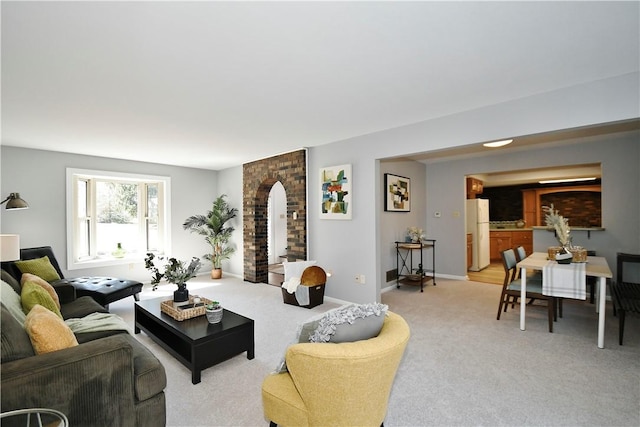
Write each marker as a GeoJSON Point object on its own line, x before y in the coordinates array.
{"type": "Point", "coordinates": [105, 262]}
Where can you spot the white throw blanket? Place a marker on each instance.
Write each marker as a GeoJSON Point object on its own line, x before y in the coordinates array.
{"type": "Point", "coordinates": [302, 292]}
{"type": "Point", "coordinates": [564, 280]}
{"type": "Point", "coordinates": [97, 322]}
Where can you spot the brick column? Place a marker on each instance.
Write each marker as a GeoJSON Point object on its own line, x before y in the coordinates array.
{"type": "Point", "coordinates": [258, 178]}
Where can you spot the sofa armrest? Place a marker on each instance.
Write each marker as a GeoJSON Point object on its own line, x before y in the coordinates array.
{"type": "Point", "coordinates": [65, 290]}
{"type": "Point", "coordinates": [92, 383]}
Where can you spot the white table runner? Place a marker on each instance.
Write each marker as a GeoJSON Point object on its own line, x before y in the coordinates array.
{"type": "Point", "coordinates": [564, 280]}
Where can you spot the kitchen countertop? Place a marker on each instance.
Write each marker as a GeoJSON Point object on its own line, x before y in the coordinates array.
{"type": "Point", "coordinates": [511, 229]}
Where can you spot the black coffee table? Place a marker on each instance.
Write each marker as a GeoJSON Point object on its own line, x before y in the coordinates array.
{"type": "Point", "coordinates": [195, 342]}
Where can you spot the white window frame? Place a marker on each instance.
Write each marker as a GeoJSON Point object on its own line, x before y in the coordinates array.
{"type": "Point", "coordinates": [164, 215]}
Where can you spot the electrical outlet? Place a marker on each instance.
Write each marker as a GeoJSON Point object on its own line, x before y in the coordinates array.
{"type": "Point", "coordinates": [437, 214]}
{"type": "Point", "coordinates": [360, 278]}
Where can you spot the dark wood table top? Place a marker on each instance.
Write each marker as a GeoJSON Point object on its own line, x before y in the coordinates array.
{"type": "Point", "coordinates": [196, 328]}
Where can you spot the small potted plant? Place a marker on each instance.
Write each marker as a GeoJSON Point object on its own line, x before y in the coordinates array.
{"type": "Point", "coordinates": [176, 272]}
{"type": "Point", "coordinates": [213, 311]}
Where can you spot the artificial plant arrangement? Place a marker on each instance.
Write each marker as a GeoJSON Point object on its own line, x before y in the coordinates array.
{"type": "Point", "coordinates": [175, 271]}
{"type": "Point", "coordinates": [415, 234]}
{"type": "Point", "coordinates": [213, 227]}
{"type": "Point", "coordinates": [559, 223]}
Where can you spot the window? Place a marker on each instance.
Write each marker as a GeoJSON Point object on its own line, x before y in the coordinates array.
{"type": "Point", "coordinates": [109, 210]}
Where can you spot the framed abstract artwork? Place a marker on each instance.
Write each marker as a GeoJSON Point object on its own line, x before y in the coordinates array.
{"type": "Point", "coordinates": [336, 192]}
{"type": "Point", "coordinates": [397, 193]}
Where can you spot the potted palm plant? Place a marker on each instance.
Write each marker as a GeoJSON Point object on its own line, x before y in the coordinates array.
{"type": "Point", "coordinates": [215, 231]}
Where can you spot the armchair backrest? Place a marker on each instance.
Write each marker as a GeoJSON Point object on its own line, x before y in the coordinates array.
{"type": "Point", "coordinates": [32, 253]}
{"type": "Point", "coordinates": [349, 383]}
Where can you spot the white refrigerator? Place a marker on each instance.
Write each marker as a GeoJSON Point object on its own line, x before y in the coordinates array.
{"type": "Point", "coordinates": [478, 226]}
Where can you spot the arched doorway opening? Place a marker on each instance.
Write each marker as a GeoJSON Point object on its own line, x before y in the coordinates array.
{"type": "Point", "coordinates": [258, 179]}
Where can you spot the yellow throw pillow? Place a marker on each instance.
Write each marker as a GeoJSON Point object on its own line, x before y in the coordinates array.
{"type": "Point", "coordinates": [33, 294]}
{"type": "Point", "coordinates": [28, 277]}
{"type": "Point", "coordinates": [41, 267]}
{"type": "Point", "coordinates": [47, 331]}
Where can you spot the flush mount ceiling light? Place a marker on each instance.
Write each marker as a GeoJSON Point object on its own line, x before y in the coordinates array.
{"type": "Point", "coordinates": [557, 181]}
{"type": "Point", "coordinates": [496, 144]}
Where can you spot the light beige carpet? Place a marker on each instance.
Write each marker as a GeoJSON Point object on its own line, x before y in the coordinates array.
{"type": "Point", "coordinates": [462, 367]}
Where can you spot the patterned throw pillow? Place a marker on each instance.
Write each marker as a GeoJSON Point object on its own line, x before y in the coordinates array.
{"type": "Point", "coordinates": [47, 331]}
{"type": "Point", "coordinates": [33, 295]}
{"type": "Point", "coordinates": [352, 322]}
{"type": "Point", "coordinates": [41, 267]}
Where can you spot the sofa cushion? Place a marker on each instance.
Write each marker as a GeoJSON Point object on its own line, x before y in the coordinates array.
{"type": "Point", "coordinates": [33, 295]}
{"type": "Point", "coordinates": [11, 301]}
{"type": "Point", "coordinates": [81, 307]}
{"type": "Point", "coordinates": [28, 277]}
{"type": "Point", "coordinates": [47, 331]}
{"type": "Point", "coordinates": [8, 278]}
{"type": "Point", "coordinates": [41, 267]}
{"type": "Point", "coordinates": [353, 322]}
{"type": "Point", "coordinates": [15, 343]}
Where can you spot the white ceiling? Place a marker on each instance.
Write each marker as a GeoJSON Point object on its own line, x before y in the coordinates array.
{"type": "Point", "coordinates": [216, 84]}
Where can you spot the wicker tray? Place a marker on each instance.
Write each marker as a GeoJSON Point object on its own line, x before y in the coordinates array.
{"type": "Point", "coordinates": [184, 314]}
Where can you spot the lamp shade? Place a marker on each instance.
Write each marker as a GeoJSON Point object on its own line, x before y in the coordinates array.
{"type": "Point", "coordinates": [9, 247]}
{"type": "Point", "coordinates": [15, 202]}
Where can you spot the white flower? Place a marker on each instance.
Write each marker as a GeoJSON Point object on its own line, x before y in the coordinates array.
{"type": "Point", "coordinates": [415, 233]}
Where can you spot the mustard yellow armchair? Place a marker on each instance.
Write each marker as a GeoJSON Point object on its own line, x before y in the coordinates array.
{"type": "Point", "coordinates": [343, 384]}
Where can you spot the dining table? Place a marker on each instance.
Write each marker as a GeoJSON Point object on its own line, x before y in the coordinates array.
{"type": "Point", "coordinates": [596, 266]}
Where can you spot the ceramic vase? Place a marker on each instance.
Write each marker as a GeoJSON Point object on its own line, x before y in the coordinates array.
{"type": "Point", "coordinates": [181, 294]}
{"type": "Point", "coordinates": [215, 315]}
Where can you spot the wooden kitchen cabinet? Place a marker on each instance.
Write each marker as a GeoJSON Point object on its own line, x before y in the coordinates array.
{"type": "Point", "coordinates": [499, 241]}
{"type": "Point", "coordinates": [530, 207]}
{"type": "Point", "coordinates": [502, 240]}
{"type": "Point", "coordinates": [524, 239]}
{"type": "Point", "coordinates": [474, 187]}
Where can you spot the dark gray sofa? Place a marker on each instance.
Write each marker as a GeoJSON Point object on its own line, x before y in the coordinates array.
{"type": "Point", "coordinates": [109, 379]}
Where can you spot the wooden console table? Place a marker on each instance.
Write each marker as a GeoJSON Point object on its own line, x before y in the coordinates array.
{"type": "Point", "coordinates": [404, 264]}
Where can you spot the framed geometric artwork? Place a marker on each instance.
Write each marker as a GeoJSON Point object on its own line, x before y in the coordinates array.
{"type": "Point", "coordinates": [336, 192]}
{"type": "Point", "coordinates": [397, 193]}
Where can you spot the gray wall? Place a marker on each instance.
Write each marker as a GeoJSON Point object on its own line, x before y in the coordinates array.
{"type": "Point", "coordinates": [619, 157]}
{"type": "Point", "coordinates": [361, 246]}
{"type": "Point", "coordinates": [40, 178]}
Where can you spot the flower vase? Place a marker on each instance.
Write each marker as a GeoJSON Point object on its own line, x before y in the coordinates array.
{"type": "Point", "coordinates": [119, 252]}
{"type": "Point", "coordinates": [181, 294]}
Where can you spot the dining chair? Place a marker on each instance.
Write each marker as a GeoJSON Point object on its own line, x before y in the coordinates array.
{"type": "Point", "coordinates": [512, 286]}
{"type": "Point", "coordinates": [624, 292]}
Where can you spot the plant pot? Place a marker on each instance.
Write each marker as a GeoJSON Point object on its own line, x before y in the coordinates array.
{"type": "Point", "coordinates": [216, 273]}
{"type": "Point", "coordinates": [181, 295]}
{"type": "Point", "coordinates": [214, 316]}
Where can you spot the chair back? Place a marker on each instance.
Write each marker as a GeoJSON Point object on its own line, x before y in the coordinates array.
{"type": "Point", "coordinates": [338, 384]}
{"type": "Point", "coordinates": [509, 263]}
{"type": "Point", "coordinates": [521, 253]}
{"type": "Point", "coordinates": [631, 276]}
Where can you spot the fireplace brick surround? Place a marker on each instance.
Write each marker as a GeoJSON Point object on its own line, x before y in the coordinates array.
{"type": "Point", "coordinates": [258, 178]}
